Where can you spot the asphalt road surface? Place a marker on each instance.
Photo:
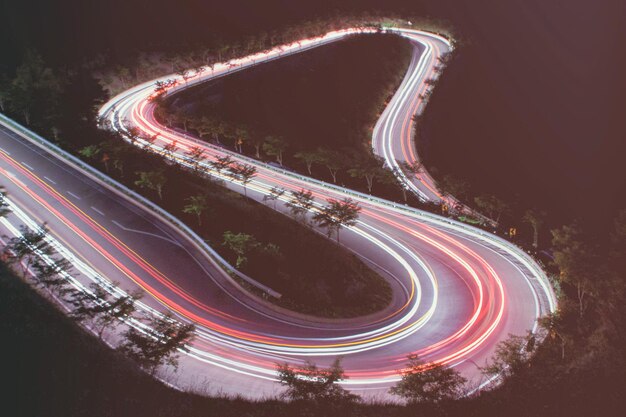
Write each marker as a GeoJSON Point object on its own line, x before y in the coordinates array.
{"type": "Point", "coordinates": [457, 290]}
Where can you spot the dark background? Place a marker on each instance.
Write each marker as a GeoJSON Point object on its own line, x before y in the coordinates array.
{"type": "Point", "coordinates": [532, 107]}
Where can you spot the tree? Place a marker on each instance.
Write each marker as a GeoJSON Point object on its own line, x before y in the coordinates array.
{"type": "Point", "coordinates": [415, 168]}
{"type": "Point", "coordinates": [244, 174]}
{"type": "Point", "coordinates": [150, 141]}
{"type": "Point", "coordinates": [552, 324]}
{"type": "Point", "coordinates": [308, 158]}
{"type": "Point", "coordinates": [275, 146]}
{"type": "Point", "coordinates": [313, 384]}
{"type": "Point", "coordinates": [101, 308]}
{"type": "Point", "coordinates": [257, 142]}
{"type": "Point", "coordinates": [428, 383]}
{"type": "Point", "coordinates": [24, 249]}
{"type": "Point", "coordinates": [184, 73]}
{"type": "Point", "coordinates": [491, 205]}
{"type": "Point", "coordinates": [133, 134]}
{"type": "Point", "coordinates": [535, 218]}
{"type": "Point", "coordinates": [52, 275]}
{"type": "Point", "coordinates": [511, 357]}
{"type": "Point", "coordinates": [332, 160]}
{"type": "Point", "coordinates": [158, 344]}
{"type": "Point", "coordinates": [90, 151]}
{"type": "Point", "coordinates": [4, 205]}
{"type": "Point", "coordinates": [196, 155]}
{"type": "Point", "coordinates": [35, 90]}
{"type": "Point", "coordinates": [241, 136]}
{"type": "Point", "coordinates": [152, 180]}
{"type": "Point", "coordinates": [337, 214]}
{"type": "Point", "coordinates": [455, 187]}
{"type": "Point", "coordinates": [300, 203]}
{"type": "Point", "coordinates": [395, 177]}
{"type": "Point", "coordinates": [222, 163]}
{"type": "Point", "coordinates": [369, 167]}
{"type": "Point", "coordinates": [196, 204]}
{"type": "Point", "coordinates": [5, 94]}
{"type": "Point", "coordinates": [169, 149]}
{"type": "Point", "coordinates": [579, 262]}
{"type": "Point", "coordinates": [274, 195]}
{"type": "Point", "coordinates": [241, 244]}
{"type": "Point", "coordinates": [206, 126]}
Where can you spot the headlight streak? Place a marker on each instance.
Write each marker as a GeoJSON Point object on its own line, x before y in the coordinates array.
{"type": "Point", "coordinates": [140, 111]}
{"type": "Point", "coordinates": [397, 232]}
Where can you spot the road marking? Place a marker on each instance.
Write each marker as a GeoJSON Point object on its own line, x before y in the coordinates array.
{"type": "Point", "coordinates": [6, 152]}
{"type": "Point", "coordinates": [145, 233]}
{"type": "Point", "coordinates": [28, 166]}
{"type": "Point", "coordinates": [74, 195]}
{"type": "Point", "coordinates": [97, 211]}
{"type": "Point", "coordinates": [49, 180]}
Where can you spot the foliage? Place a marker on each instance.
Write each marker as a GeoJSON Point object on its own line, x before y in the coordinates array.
{"type": "Point", "coordinates": [311, 383]}
{"type": "Point", "coordinates": [428, 383]}
{"type": "Point", "coordinates": [158, 344]}
{"type": "Point", "coordinates": [337, 214]}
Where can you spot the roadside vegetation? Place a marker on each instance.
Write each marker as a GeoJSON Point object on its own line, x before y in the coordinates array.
{"type": "Point", "coordinates": [577, 370]}
{"type": "Point", "coordinates": [275, 250]}
{"type": "Point", "coordinates": [313, 112]}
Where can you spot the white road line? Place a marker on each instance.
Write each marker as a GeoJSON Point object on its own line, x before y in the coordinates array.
{"type": "Point", "coordinates": [145, 233]}
{"type": "Point", "coordinates": [28, 166]}
{"type": "Point", "coordinates": [6, 152]}
{"type": "Point", "coordinates": [97, 211]}
{"type": "Point", "coordinates": [49, 180]}
{"type": "Point", "coordinates": [74, 195]}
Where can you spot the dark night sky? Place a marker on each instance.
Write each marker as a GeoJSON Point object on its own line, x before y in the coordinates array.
{"type": "Point", "coordinates": [533, 106]}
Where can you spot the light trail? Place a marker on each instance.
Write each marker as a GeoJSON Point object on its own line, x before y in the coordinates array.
{"type": "Point", "coordinates": [459, 289]}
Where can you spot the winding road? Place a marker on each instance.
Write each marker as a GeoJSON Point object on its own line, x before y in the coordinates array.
{"type": "Point", "coordinates": [457, 290]}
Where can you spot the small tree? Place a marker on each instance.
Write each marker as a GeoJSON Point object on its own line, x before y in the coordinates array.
{"type": "Point", "coordinates": [332, 160]}
{"type": "Point", "coordinates": [169, 149]}
{"type": "Point", "coordinates": [369, 168]}
{"type": "Point", "coordinates": [196, 155]}
{"type": "Point", "coordinates": [24, 249]}
{"type": "Point", "coordinates": [241, 136]}
{"type": "Point", "coordinates": [244, 174]}
{"type": "Point", "coordinates": [300, 203]}
{"type": "Point", "coordinates": [52, 275]}
{"type": "Point", "coordinates": [159, 344]}
{"type": "Point", "coordinates": [184, 73]}
{"type": "Point", "coordinates": [133, 134]}
{"type": "Point", "coordinates": [196, 204]}
{"type": "Point", "coordinates": [454, 187]}
{"type": "Point", "coordinates": [491, 205]}
{"type": "Point", "coordinates": [4, 205]}
{"type": "Point", "coordinates": [337, 214]}
{"type": "Point", "coordinates": [414, 168]}
{"type": "Point", "coordinates": [275, 146]}
{"type": "Point", "coordinates": [308, 158]}
{"type": "Point", "coordinates": [152, 180]}
{"type": "Point", "coordinates": [511, 357]}
{"type": "Point", "coordinates": [90, 151]}
{"type": "Point", "coordinates": [241, 244]}
{"type": "Point", "coordinates": [274, 195]}
{"type": "Point", "coordinates": [313, 384]}
{"type": "Point", "coordinates": [101, 308]}
{"type": "Point", "coordinates": [535, 218]}
{"type": "Point", "coordinates": [428, 383]}
{"type": "Point", "coordinates": [222, 163]}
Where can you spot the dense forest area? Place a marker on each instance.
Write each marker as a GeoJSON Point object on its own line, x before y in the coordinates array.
{"type": "Point", "coordinates": [530, 109]}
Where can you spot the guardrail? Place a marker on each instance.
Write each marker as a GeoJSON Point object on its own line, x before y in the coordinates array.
{"type": "Point", "coordinates": [134, 198]}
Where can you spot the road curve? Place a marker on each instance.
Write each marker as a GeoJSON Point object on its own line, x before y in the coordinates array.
{"type": "Point", "coordinates": [457, 290]}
